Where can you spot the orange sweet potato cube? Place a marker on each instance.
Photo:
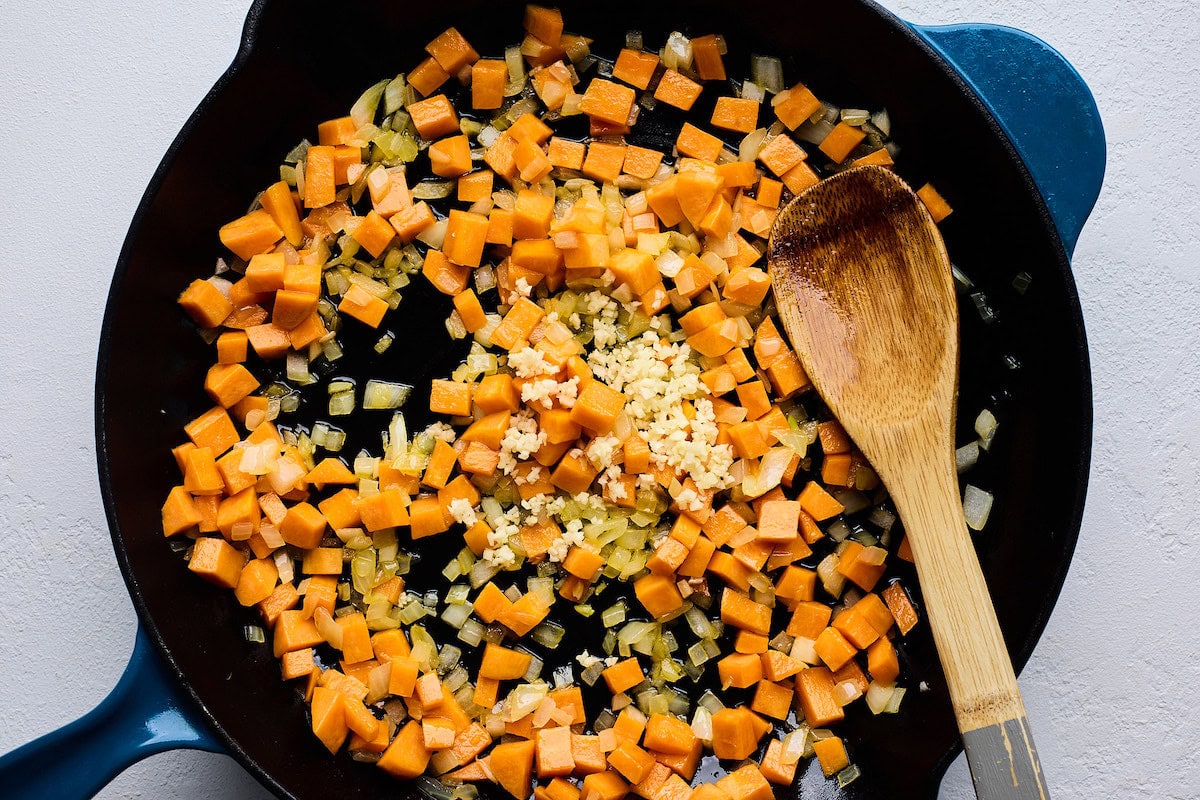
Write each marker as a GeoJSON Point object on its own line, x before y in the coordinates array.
{"type": "Point", "coordinates": [251, 234]}
{"type": "Point", "coordinates": [410, 221]}
{"type": "Point", "coordinates": [517, 324]}
{"type": "Point", "coordinates": [678, 90]}
{"type": "Point", "coordinates": [217, 562]}
{"type": "Point", "coordinates": [229, 383]}
{"type": "Point", "coordinates": [450, 157]}
{"type": "Point", "coordinates": [451, 51]}
{"type": "Point", "coordinates": [488, 77]}
{"type": "Point", "coordinates": [635, 268]}
{"type": "Point", "coordinates": [735, 114]}
{"type": "Point", "coordinates": [781, 154]}
{"type": "Point", "coordinates": [434, 117]}
{"type": "Point", "coordinates": [213, 429]}
{"type": "Point", "coordinates": [374, 233]}
{"type": "Point", "coordinates": [566, 153]}
{"type": "Point", "coordinates": [799, 106]}
{"type": "Point", "coordinates": [465, 234]}
{"type": "Point", "coordinates": [706, 57]}
{"type": "Point", "coordinates": [799, 178]}
{"type": "Point", "coordinates": [641, 162]}
{"type": "Point", "coordinates": [635, 67]}
{"type": "Point", "coordinates": [205, 304]}
{"type": "Point", "coordinates": [475, 185]}
{"type": "Point", "coordinates": [657, 593]}
{"type": "Point", "coordinates": [450, 397]}
{"type": "Point", "coordinates": [597, 407]}
{"type": "Point", "coordinates": [841, 141]}
{"type": "Point", "coordinates": [698, 144]}
{"type": "Point", "coordinates": [427, 76]}
{"type": "Point", "coordinates": [363, 306]}
{"type": "Point", "coordinates": [604, 161]}
{"type": "Point", "coordinates": [532, 215]}
{"type": "Point", "coordinates": [607, 101]}
{"type": "Point", "coordinates": [939, 209]}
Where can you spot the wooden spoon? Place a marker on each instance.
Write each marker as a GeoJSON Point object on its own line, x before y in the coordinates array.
{"type": "Point", "coordinates": [863, 287]}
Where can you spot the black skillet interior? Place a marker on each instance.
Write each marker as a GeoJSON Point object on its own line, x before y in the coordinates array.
{"type": "Point", "coordinates": [303, 62]}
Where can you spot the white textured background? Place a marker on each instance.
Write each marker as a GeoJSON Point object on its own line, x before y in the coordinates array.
{"type": "Point", "coordinates": [92, 93]}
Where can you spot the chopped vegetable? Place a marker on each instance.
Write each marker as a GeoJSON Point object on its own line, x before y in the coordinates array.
{"type": "Point", "coordinates": [629, 432]}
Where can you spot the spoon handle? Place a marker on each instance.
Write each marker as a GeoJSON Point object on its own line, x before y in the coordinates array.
{"type": "Point", "coordinates": [983, 688]}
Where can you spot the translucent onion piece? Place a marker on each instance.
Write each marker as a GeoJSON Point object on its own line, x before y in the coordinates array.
{"type": "Point", "coordinates": [432, 190]}
{"type": "Point", "coordinates": [751, 144]}
{"type": "Point", "coordinates": [767, 72]}
{"type": "Point", "coordinates": [882, 120]}
{"type": "Point", "coordinates": [384, 394]}
{"type": "Point", "coordinates": [977, 505]}
{"type": "Point", "coordinates": [363, 111]}
{"type": "Point", "coordinates": [330, 631]}
{"type": "Point", "coordinates": [985, 427]}
{"type": "Point", "coordinates": [846, 693]}
{"type": "Point", "coordinates": [471, 632]}
{"type": "Point", "coordinates": [878, 696]}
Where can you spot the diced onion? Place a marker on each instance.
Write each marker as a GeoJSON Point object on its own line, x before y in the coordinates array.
{"type": "Point", "coordinates": [341, 404]}
{"type": "Point", "coordinates": [846, 693]}
{"type": "Point", "coordinates": [702, 725]}
{"type": "Point", "coordinates": [363, 111]}
{"type": "Point", "coordinates": [794, 745]}
{"type": "Point", "coordinates": [677, 54]}
{"type": "Point", "coordinates": [432, 190]}
{"type": "Point", "coordinates": [986, 312]}
{"type": "Point", "coordinates": [591, 674]}
{"type": "Point", "coordinates": [985, 427]}
{"type": "Point", "coordinates": [977, 505]}
{"type": "Point", "coordinates": [434, 235]}
{"type": "Point", "coordinates": [814, 133]}
{"type": "Point", "coordinates": [471, 632]}
{"type": "Point", "coordinates": [752, 91]}
{"type": "Point", "coordinates": [855, 116]}
{"type": "Point", "coordinates": [767, 72]}
{"type": "Point", "coordinates": [384, 394]}
{"type": "Point", "coordinates": [524, 699]}
{"type": "Point", "coordinates": [710, 701]}
{"type": "Point", "coordinates": [330, 631]}
{"type": "Point", "coordinates": [882, 120]}
{"type": "Point", "coordinates": [456, 616]}
{"type": "Point", "coordinates": [878, 696]}
{"type": "Point", "coordinates": [831, 579]}
{"type": "Point", "coordinates": [433, 788]}
{"type": "Point", "coordinates": [548, 634]}
{"type": "Point", "coordinates": [615, 614]}
{"type": "Point", "coordinates": [377, 683]}
{"type": "Point", "coordinates": [535, 669]}
{"type": "Point", "coordinates": [882, 518]}
{"type": "Point", "coordinates": [283, 564]}
{"type": "Point", "coordinates": [852, 500]}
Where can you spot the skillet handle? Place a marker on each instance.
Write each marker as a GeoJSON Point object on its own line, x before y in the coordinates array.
{"type": "Point", "coordinates": [145, 714]}
{"type": "Point", "coordinates": [1043, 105]}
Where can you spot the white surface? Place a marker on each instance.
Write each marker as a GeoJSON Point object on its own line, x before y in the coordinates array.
{"type": "Point", "coordinates": [93, 93]}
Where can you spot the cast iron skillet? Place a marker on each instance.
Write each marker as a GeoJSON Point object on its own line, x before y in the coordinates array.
{"type": "Point", "coordinates": [993, 117]}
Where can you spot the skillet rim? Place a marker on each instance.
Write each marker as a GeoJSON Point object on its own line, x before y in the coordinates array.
{"type": "Point", "coordinates": [901, 31]}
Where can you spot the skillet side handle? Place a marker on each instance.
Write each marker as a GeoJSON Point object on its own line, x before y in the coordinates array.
{"type": "Point", "coordinates": [1043, 105]}
{"type": "Point", "coordinates": [144, 714]}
